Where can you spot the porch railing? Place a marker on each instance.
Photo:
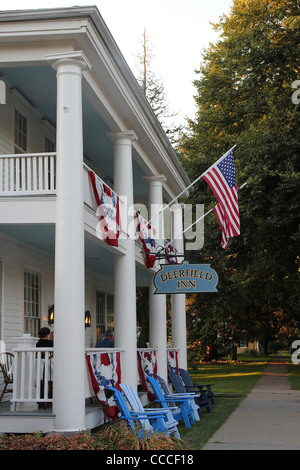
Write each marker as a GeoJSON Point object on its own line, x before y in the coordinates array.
{"type": "Point", "coordinates": [33, 375]}
{"type": "Point", "coordinates": [27, 173]}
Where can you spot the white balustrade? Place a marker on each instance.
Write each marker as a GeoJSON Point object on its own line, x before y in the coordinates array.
{"type": "Point", "coordinates": [33, 374]}
{"type": "Point", "coordinates": [27, 173]}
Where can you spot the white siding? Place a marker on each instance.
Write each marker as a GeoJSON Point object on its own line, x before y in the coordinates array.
{"type": "Point", "coordinates": [16, 256]}
{"type": "Point", "coordinates": [6, 125]}
{"type": "Point", "coordinates": [38, 127]}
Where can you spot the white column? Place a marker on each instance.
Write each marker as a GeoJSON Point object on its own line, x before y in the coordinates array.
{"type": "Point", "coordinates": [125, 275]}
{"type": "Point", "coordinates": [157, 303]}
{"type": "Point", "coordinates": [178, 300]}
{"type": "Point", "coordinates": [69, 347]}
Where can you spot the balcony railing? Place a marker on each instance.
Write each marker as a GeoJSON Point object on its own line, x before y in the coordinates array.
{"type": "Point", "coordinates": [27, 174]}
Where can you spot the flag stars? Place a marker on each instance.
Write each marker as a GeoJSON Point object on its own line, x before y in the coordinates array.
{"type": "Point", "coordinates": [226, 166]}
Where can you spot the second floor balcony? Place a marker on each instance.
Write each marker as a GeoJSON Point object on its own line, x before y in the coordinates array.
{"type": "Point", "coordinates": [27, 174]}
{"type": "Point", "coordinates": [34, 174]}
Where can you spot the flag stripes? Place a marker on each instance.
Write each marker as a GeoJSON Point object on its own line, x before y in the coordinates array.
{"type": "Point", "coordinates": [221, 179]}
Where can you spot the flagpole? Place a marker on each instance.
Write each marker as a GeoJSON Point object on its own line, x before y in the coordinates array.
{"type": "Point", "coordinates": [198, 220]}
{"type": "Point", "coordinates": [192, 184]}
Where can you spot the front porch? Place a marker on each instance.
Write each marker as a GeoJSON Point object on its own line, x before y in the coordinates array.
{"type": "Point", "coordinates": [30, 407]}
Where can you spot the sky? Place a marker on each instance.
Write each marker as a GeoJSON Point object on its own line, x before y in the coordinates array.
{"type": "Point", "coordinates": [178, 31]}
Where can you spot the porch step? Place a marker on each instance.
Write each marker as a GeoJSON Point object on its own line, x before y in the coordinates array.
{"type": "Point", "coordinates": [26, 423]}
{"type": "Point", "coordinates": [42, 420]}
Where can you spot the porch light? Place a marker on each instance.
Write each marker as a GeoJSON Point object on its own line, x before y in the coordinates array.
{"type": "Point", "coordinates": [51, 315]}
{"type": "Point", "coordinates": [87, 319]}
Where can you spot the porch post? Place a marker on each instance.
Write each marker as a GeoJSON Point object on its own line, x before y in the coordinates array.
{"type": "Point", "coordinates": [178, 300]}
{"type": "Point", "coordinates": [125, 276]}
{"type": "Point", "coordinates": [157, 303]}
{"type": "Point", "coordinates": [69, 346]}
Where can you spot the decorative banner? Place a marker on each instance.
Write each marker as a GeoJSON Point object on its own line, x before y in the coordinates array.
{"type": "Point", "coordinates": [109, 226]}
{"type": "Point", "coordinates": [147, 237]}
{"type": "Point", "coordinates": [173, 361]}
{"type": "Point", "coordinates": [147, 364]}
{"type": "Point", "coordinates": [105, 371]}
{"type": "Point", "coordinates": [185, 278]}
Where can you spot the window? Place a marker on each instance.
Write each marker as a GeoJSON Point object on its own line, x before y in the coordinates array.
{"type": "Point", "coordinates": [32, 302]}
{"type": "Point", "coordinates": [104, 313]}
{"type": "Point", "coordinates": [110, 312]}
{"type": "Point", "coordinates": [20, 132]}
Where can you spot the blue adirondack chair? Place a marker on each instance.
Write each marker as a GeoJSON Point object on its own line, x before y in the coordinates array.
{"type": "Point", "coordinates": [199, 398]}
{"type": "Point", "coordinates": [192, 387]}
{"type": "Point", "coordinates": [148, 423]}
{"type": "Point", "coordinates": [137, 406]}
{"type": "Point", "coordinates": [191, 397]}
{"type": "Point", "coordinates": [185, 411]}
{"type": "Point", "coordinates": [185, 396]}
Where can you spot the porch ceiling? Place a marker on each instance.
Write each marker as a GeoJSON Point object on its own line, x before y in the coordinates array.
{"type": "Point", "coordinates": [38, 85]}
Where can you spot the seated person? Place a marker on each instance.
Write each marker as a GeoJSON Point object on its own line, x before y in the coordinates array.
{"type": "Point", "coordinates": [44, 341]}
{"type": "Point", "coordinates": [108, 340]}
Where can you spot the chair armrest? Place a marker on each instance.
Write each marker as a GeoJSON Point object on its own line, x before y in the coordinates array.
{"type": "Point", "coordinates": [203, 385]}
{"type": "Point", "coordinates": [159, 414]}
{"type": "Point", "coordinates": [188, 395]}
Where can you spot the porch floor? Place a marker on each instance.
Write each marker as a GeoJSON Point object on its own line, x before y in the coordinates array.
{"type": "Point", "coordinates": [93, 412]}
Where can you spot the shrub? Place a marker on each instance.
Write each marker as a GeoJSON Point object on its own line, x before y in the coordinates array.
{"type": "Point", "coordinates": [117, 437]}
{"type": "Point", "coordinates": [111, 437]}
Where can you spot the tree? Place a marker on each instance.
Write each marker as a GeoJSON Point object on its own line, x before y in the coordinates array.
{"type": "Point", "coordinates": [244, 98]}
{"type": "Point", "coordinates": [153, 89]}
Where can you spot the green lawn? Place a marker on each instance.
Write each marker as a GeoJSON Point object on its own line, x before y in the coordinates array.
{"type": "Point", "coordinates": [231, 378]}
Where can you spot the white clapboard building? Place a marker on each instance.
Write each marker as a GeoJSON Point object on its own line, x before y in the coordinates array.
{"type": "Point", "coordinates": [72, 114]}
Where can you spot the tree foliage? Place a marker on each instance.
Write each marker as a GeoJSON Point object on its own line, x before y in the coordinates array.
{"type": "Point", "coordinates": [244, 97]}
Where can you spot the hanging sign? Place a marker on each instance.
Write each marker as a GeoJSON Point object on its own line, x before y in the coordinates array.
{"type": "Point", "coordinates": [185, 278]}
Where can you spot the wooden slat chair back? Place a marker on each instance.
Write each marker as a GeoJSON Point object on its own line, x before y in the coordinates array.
{"type": "Point", "coordinates": [180, 408]}
{"type": "Point", "coordinates": [200, 397]}
{"type": "Point", "coordinates": [137, 406]}
{"type": "Point", "coordinates": [180, 389]}
{"type": "Point", "coordinates": [182, 400]}
{"type": "Point", "coordinates": [6, 365]}
{"type": "Point", "coordinates": [132, 418]}
{"type": "Point", "coordinates": [165, 402]}
{"type": "Point", "coordinates": [192, 387]}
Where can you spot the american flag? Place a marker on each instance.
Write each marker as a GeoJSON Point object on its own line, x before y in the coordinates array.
{"type": "Point", "coordinates": [221, 179]}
